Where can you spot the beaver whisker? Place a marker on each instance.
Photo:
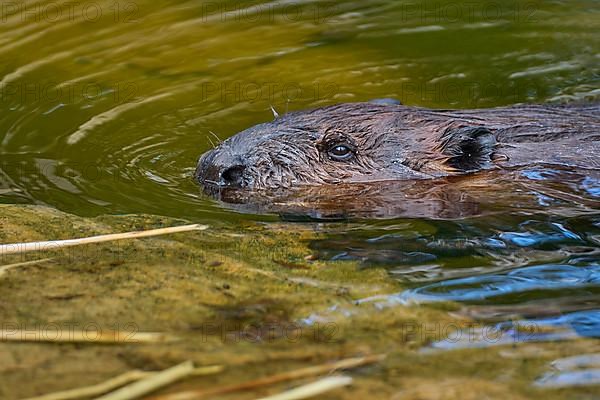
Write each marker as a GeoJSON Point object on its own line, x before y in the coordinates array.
{"type": "Point", "coordinates": [213, 182]}
{"type": "Point", "coordinates": [216, 137]}
{"type": "Point", "coordinates": [211, 142]}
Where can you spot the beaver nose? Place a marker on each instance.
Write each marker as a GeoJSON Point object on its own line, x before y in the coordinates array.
{"type": "Point", "coordinates": [233, 176]}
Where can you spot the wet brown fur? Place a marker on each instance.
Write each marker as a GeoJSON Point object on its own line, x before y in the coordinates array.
{"type": "Point", "coordinates": [396, 142]}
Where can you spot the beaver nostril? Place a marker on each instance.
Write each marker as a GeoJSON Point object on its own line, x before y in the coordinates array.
{"type": "Point", "coordinates": [233, 175]}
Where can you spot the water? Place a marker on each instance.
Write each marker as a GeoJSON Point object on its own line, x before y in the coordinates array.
{"type": "Point", "coordinates": [106, 106]}
{"type": "Point", "coordinates": [507, 272]}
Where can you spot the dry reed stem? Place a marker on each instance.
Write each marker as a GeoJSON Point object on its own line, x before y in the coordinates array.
{"type": "Point", "coordinates": [312, 389]}
{"type": "Point", "coordinates": [17, 248]}
{"type": "Point", "coordinates": [82, 336]}
{"type": "Point", "coordinates": [277, 378]}
{"type": "Point", "coordinates": [116, 382]}
{"type": "Point", "coordinates": [151, 383]}
{"type": "Point", "coordinates": [5, 268]}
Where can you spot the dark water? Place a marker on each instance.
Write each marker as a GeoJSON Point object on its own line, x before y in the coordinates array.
{"type": "Point", "coordinates": [105, 107]}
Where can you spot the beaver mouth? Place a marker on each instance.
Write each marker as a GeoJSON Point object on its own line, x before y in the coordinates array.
{"type": "Point", "coordinates": [226, 194]}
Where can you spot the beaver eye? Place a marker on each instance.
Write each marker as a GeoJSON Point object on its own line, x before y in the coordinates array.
{"type": "Point", "coordinates": [340, 152]}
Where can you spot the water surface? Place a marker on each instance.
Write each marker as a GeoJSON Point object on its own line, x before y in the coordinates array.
{"type": "Point", "coordinates": [107, 105]}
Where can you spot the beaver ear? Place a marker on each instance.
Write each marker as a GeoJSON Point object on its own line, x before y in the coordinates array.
{"type": "Point", "coordinates": [468, 148]}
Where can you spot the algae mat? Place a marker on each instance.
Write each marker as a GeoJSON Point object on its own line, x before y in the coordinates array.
{"type": "Point", "coordinates": [257, 303]}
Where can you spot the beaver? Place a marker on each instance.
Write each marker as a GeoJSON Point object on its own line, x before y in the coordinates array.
{"type": "Point", "coordinates": [384, 140]}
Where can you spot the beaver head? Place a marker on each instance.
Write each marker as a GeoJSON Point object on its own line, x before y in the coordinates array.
{"type": "Point", "coordinates": [346, 143]}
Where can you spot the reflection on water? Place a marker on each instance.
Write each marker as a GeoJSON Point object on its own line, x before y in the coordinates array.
{"type": "Point", "coordinates": [549, 189]}
{"type": "Point", "coordinates": [517, 281]}
{"type": "Point", "coordinates": [572, 371]}
{"type": "Point", "coordinates": [527, 278]}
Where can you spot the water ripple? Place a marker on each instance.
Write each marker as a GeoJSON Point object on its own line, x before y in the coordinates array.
{"type": "Point", "coordinates": [540, 277]}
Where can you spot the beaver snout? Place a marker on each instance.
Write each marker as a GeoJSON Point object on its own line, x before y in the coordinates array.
{"type": "Point", "coordinates": [219, 169]}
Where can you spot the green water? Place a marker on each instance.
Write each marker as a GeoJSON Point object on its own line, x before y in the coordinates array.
{"type": "Point", "coordinates": [105, 106]}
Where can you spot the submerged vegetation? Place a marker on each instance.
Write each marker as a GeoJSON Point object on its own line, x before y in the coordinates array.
{"type": "Point", "coordinates": [254, 299]}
